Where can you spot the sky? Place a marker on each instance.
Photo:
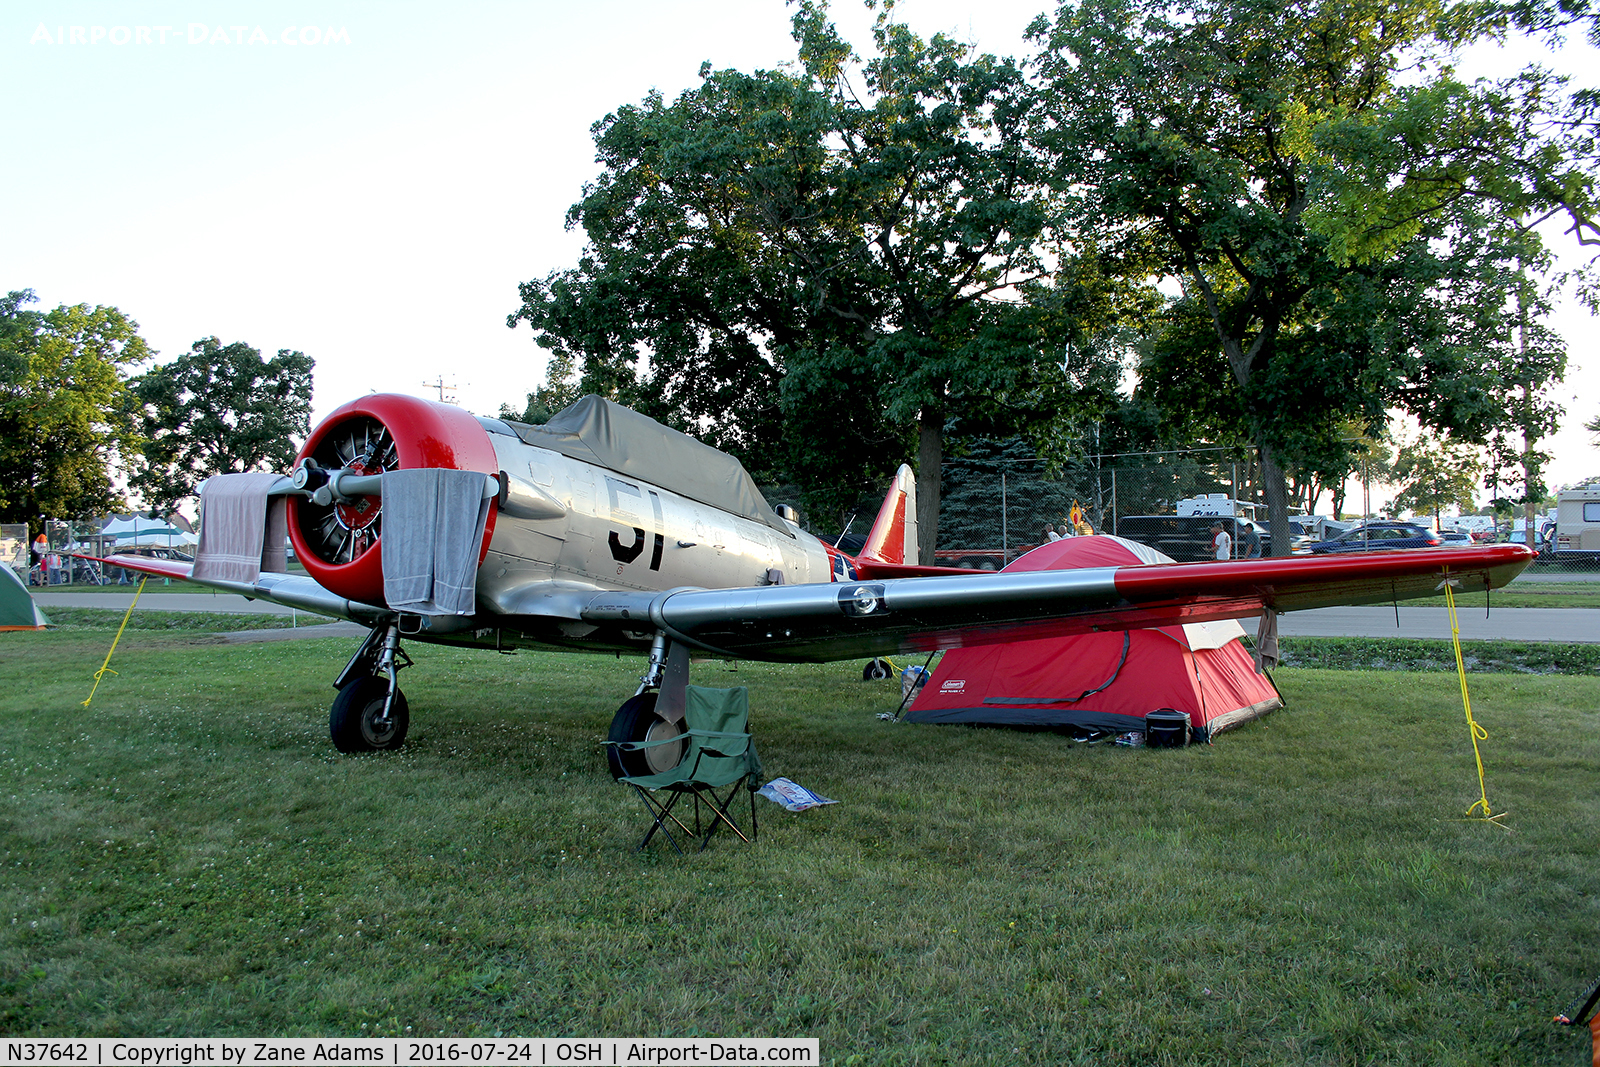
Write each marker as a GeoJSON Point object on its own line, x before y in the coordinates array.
{"type": "Point", "coordinates": [369, 182]}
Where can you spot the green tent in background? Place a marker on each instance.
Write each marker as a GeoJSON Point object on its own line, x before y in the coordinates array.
{"type": "Point", "coordinates": [17, 609]}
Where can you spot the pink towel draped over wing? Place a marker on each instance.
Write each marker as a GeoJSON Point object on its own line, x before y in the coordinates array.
{"type": "Point", "coordinates": [242, 530]}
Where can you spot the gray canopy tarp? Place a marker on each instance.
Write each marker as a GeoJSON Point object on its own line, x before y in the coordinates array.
{"type": "Point", "coordinates": [609, 435]}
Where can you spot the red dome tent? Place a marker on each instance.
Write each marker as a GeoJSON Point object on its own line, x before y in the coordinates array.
{"type": "Point", "coordinates": [1102, 681]}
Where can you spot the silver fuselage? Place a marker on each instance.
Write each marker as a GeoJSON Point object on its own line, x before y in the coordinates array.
{"type": "Point", "coordinates": [621, 533]}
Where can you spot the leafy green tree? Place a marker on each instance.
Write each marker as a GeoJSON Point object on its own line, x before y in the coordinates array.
{"type": "Point", "coordinates": [1033, 497]}
{"type": "Point", "coordinates": [218, 409]}
{"type": "Point", "coordinates": [1548, 18]}
{"type": "Point", "coordinates": [1316, 188]}
{"type": "Point", "coordinates": [1370, 459]}
{"type": "Point", "coordinates": [559, 391]}
{"type": "Point", "coordinates": [63, 413]}
{"type": "Point", "coordinates": [680, 265]}
{"type": "Point", "coordinates": [1433, 474]}
{"type": "Point", "coordinates": [1527, 359]}
{"type": "Point", "coordinates": [825, 265]}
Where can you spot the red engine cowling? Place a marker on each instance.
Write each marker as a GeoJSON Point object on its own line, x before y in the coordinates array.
{"type": "Point", "coordinates": [340, 545]}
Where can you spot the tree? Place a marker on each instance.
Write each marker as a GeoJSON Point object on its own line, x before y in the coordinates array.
{"type": "Point", "coordinates": [63, 413]}
{"type": "Point", "coordinates": [819, 273]}
{"type": "Point", "coordinates": [680, 265]}
{"type": "Point", "coordinates": [1033, 496]}
{"type": "Point", "coordinates": [1530, 358]}
{"type": "Point", "coordinates": [1550, 18]}
{"type": "Point", "coordinates": [559, 391]}
{"type": "Point", "coordinates": [1434, 473]}
{"type": "Point", "coordinates": [218, 409]}
{"type": "Point", "coordinates": [1371, 458]}
{"type": "Point", "coordinates": [1277, 153]}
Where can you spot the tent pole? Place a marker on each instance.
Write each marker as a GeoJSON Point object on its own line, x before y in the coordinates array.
{"type": "Point", "coordinates": [1005, 538]}
{"type": "Point", "coordinates": [906, 699]}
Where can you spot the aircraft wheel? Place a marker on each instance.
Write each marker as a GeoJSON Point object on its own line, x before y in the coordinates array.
{"type": "Point", "coordinates": [353, 721]}
{"type": "Point", "coordinates": [637, 720]}
{"type": "Point", "coordinates": [876, 670]}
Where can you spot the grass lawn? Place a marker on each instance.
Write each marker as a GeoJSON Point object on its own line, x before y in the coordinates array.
{"type": "Point", "coordinates": [189, 856]}
{"type": "Point", "coordinates": [74, 619]}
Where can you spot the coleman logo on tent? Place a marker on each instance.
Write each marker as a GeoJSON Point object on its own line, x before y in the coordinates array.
{"type": "Point", "coordinates": [953, 685]}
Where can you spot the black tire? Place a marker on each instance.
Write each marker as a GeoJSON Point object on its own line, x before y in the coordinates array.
{"type": "Point", "coordinates": [353, 720]}
{"type": "Point", "coordinates": [637, 720]}
{"type": "Point", "coordinates": [987, 564]}
{"type": "Point", "coordinates": [876, 671]}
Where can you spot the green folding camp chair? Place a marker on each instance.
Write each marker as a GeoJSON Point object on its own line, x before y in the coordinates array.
{"type": "Point", "coordinates": [719, 754]}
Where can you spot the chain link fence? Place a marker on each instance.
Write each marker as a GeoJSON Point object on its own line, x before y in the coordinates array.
{"type": "Point", "coordinates": [55, 560]}
{"type": "Point", "coordinates": [997, 502]}
{"type": "Point", "coordinates": [996, 507]}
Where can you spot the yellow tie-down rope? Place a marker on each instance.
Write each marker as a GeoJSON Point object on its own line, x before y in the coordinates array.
{"type": "Point", "coordinates": [105, 668]}
{"type": "Point", "coordinates": [1478, 732]}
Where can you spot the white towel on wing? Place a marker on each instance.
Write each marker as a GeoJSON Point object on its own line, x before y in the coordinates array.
{"type": "Point", "coordinates": [433, 523]}
{"type": "Point", "coordinates": [242, 530]}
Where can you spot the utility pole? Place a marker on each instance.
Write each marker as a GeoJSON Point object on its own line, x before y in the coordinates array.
{"type": "Point", "coordinates": [442, 390]}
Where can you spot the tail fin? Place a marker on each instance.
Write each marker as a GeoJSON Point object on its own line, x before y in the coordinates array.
{"type": "Point", "coordinates": [893, 538]}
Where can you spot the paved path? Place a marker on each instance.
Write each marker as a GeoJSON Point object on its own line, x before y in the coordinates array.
{"type": "Point", "coordinates": [228, 602]}
{"type": "Point", "coordinates": [1513, 624]}
{"type": "Point", "coordinates": [353, 632]}
{"type": "Point", "coordinates": [1577, 625]}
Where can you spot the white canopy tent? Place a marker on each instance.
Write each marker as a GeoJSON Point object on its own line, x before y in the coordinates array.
{"type": "Point", "coordinates": [138, 530]}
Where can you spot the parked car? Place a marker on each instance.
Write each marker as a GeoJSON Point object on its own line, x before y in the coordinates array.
{"type": "Point", "coordinates": [1380, 536]}
{"type": "Point", "coordinates": [123, 577]}
{"type": "Point", "coordinates": [1455, 539]}
{"type": "Point", "coordinates": [156, 552]}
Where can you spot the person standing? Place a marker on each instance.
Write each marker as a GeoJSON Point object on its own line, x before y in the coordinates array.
{"type": "Point", "coordinates": [1249, 541]}
{"type": "Point", "coordinates": [40, 549]}
{"type": "Point", "coordinates": [1221, 542]}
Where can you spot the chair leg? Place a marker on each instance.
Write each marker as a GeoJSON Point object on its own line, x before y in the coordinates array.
{"type": "Point", "coordinates": [660, 813]}
{"type": "Point", "coordinates": [720, 809]}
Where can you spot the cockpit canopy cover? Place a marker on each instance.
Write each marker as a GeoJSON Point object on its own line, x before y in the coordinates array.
{"type": "Point", "coordinates": [597, 431]}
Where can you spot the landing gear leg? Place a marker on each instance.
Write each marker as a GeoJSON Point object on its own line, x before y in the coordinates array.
{"type": "Point", "coordinates": [371, 713]}
{"type": "Point", "coordinates": [651, 716]}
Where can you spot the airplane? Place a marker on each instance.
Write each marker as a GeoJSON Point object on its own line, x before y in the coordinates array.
{"type": "Point", "coordinates": [605, 531]}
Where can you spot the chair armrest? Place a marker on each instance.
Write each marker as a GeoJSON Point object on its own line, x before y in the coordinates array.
{"type": "Point", "coordinates": [634, 746]}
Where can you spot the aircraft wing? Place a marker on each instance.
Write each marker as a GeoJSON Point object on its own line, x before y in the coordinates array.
{"type": "Point", "coordinates": [290, 590]}
{"type": "Point", "coordinates": [829, 621]}
{"type": "Point", "coordinates": [843, 620]}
